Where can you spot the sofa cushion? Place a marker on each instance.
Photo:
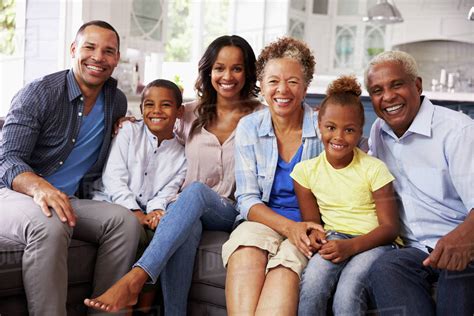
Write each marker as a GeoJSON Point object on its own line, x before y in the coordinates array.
{"type": "Point", "coordinates": [209, 272]}
{"type": "Point", "coordinates": [210, 269]}
{"type": "Point", "coordinates": [205, 309]}
{"type": "Point", "coordinates": [81, 261]}
{"type": "Point", "coordinates": [11, 281]}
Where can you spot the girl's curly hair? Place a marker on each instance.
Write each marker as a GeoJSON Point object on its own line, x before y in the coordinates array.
{"type": "Point", "coordinates": [344, 91]}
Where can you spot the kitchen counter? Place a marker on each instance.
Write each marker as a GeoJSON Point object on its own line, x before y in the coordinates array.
{"type": "Point", "coordinates": [450, 96]}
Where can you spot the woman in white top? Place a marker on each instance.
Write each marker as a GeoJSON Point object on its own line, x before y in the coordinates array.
{"type": "Point", "coordinates": [227, 89]}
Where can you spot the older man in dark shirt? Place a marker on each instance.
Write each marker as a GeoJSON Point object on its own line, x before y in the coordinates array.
{"type": "Point", "coordinates": [55, 142]}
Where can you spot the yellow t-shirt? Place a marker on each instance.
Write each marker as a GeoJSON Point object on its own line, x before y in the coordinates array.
{"type": "Point", "coordinates": [345, 195]}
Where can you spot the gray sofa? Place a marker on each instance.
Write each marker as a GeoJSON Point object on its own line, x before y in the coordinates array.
{"type": "Point", "coordinates": [206, 295]}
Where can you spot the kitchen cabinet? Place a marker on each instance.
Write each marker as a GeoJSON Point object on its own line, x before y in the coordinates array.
{"type": "Point", "coordinates": [337, 34]}
{"type": "Point", "coordinates": [343, 43]}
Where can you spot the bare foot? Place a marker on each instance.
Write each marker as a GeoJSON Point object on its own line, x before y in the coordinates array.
{"type": "Point", "coordinates": [122, 294]}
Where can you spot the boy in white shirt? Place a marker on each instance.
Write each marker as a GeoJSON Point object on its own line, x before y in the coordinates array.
{"type": "Point", "coordinates": [146, 164]}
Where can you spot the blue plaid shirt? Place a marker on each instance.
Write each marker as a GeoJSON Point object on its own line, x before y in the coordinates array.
{"type": "Point", "coordinates": [256, 155]}
{"type": "Point", "coordinates": [43, 123]}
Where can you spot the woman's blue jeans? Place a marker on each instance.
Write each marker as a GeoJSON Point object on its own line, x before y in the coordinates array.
{"type": "Point", "coordinates": [399, 284]}
{"type": "Point", "coordinates": [172, 250]}
{"type": "Point", "coordinates": [343, 282]}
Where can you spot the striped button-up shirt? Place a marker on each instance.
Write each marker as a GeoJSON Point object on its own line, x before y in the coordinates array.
{"type": "Point", "coordinates": [43, 123]}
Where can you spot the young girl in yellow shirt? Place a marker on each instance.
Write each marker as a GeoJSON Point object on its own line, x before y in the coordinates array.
{"type": "Point", "coordinates": [351, 194]}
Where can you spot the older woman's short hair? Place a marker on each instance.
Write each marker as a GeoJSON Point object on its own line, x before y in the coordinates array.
{"type": "Point", "coordinates": [404, 59]}
{"type": "Point", "coordinates": [287, 47]}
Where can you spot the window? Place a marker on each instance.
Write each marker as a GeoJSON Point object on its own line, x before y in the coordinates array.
{"type": "Point", "coordinates": [7, 27]}
{"type": "Point", "coordinates": [12, 34]}
{"type": "Point", "coordinates": [299, 5]}
{"type": "Point", "coordinates": [345, 42]}
{"type": "Point", "coordinates": [320, 7]}
{"type": "Point", "coordinates": [347, 7]}
{"type": "Point", "coordinates": [373, 41]}
{"type": "Point", "coordinates": [296, 29]}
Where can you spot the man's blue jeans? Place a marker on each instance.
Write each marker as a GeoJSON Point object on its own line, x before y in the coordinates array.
{"type": "Point", "coordinates": [399, 284]}
{"type": "Point", "coordinates": [172, 250]}
{"type": "Point", "coordinates": [322, 279]}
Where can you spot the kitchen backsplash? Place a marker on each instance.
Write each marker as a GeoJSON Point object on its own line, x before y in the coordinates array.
{"type": "Point", "coordinates": [455, 57]}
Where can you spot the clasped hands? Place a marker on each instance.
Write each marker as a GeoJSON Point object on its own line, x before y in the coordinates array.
{"type": "Point", "coordinates": [150, 220]}
{"type": "Point", "coordinates": [310, 238]}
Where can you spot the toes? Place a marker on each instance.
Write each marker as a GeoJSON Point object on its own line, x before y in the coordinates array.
{"type": "Point", "coordinates": [97, 305]}
{"type": "Point", "coordinates": [102, 306]}
{"type": "Point", "coordinates": [88, 302]}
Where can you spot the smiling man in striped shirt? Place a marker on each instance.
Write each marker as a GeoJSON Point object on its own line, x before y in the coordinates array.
{"type": "Point", "coordinates": [55, 141]}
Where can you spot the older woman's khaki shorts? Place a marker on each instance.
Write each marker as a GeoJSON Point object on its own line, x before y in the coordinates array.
{"type": "Point", "coordinates": [280, 250]}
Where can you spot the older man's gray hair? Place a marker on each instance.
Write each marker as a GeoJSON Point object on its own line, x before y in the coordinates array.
{"type": "Point", "coordinates": [406, 60]}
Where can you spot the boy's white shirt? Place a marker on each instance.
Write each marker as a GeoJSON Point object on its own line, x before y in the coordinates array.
{"type": "Point", "coordinates": [139, 174]}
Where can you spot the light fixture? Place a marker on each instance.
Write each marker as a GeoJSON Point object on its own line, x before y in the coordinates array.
{"type": "Point", "coordinates": [383, 13]}
{"type": "Point", "coordinates": [470, 15]}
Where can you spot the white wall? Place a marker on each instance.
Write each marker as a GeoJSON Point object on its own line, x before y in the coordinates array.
{"type": "Point", "coordinates": [41, 45]}
{"type": "Point", "coordinates": [115, 12]}
{"type": "Point", "coordinates": [260, 21]}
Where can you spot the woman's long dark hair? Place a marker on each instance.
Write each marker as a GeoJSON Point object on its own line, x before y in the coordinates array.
{"type": "Point", "coordinates": [206, 108]}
